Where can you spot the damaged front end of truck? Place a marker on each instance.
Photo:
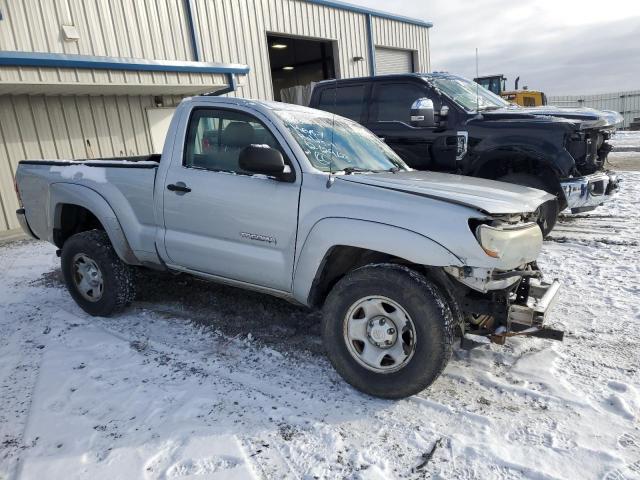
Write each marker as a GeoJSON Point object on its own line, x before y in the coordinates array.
{"type": "Point", "coordinates": [520, 309]}
{"type": "Point", "coordinates": [497, 303]}
{"type": "Point", "coordinates": [590, 183]}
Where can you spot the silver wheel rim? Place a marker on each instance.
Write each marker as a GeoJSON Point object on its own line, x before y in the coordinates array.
{"type": "Point", "coordinates": [87, 277]}
{"type": "Point", "coordinates": [379, 334]}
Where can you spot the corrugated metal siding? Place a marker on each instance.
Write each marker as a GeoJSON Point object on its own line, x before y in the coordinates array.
{"type": "Point", "coordinates": [236, 31]}
{"type": "Point", "coordinates": [74, 127]}
{"type": "Point", "coordinates": [627, 103]}
{"type": "Point", "coordinates": [23, 80]}
{"type": "Point", "coordinates": [230, 31]}
{"type": "Point", "coordinates": [149, 29]}
{"type": "Point", "coordinates": [152, 29]}
{"type": "Point", "coordinates": [395, 34]}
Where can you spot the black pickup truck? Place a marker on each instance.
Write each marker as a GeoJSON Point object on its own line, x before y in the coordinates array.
{"type": "Point", "coordinates": [443, 122]}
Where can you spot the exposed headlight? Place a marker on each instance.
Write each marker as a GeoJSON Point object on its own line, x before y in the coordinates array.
{"type": "Point", "coordinates": [510, 243]}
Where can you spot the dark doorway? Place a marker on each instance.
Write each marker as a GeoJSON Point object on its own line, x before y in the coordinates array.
{"type": "Point", "coordinates": [296, 63]}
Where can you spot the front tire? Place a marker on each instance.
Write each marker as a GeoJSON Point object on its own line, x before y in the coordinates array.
{"type": "Point", "coordinates": [387, 330]}
{"type": "Point", "coordinates": [97, 279]}
{"type": "Point", "coordinates": [549, 211]}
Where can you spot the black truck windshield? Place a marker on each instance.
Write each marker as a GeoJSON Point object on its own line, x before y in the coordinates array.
{"type": "Point", "coordinates": [468, 94]}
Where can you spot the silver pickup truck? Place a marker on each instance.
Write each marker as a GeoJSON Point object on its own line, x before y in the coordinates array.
{"type": "Point", "coordinates": [313, 208]}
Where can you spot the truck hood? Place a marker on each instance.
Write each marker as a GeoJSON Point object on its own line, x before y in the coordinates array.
{"type": "Point", "coordinates": [586, 118]}
{"type": "Point", "coordinates": [488, 196]}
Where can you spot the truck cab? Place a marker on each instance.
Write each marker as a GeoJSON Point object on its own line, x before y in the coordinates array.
{"type": "Point", "coordinates": [383, 105]}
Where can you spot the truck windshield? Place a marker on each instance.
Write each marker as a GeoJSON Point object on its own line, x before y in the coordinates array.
{"type": "Point", "coordinates": [338, 144]}
{"type": "Point", "coordinates": [468, 94]}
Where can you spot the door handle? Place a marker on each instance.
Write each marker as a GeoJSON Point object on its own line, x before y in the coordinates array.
{"type": "Point", "coordinates": [178, 187]}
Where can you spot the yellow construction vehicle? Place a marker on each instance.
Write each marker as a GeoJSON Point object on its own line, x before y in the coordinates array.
{"type": "Point", "coordinates": [524, 97]}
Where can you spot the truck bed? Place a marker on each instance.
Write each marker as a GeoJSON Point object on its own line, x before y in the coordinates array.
{"type": "Point", "coordinates": [125, 184]}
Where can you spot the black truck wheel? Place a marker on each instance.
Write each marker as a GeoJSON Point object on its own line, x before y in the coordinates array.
{"type": "Point", "coordinates": [387, 330]}
{"type": "Point", "coordinates": [549, 211]}
{"type": "Point", "coordinates": [95, 276]}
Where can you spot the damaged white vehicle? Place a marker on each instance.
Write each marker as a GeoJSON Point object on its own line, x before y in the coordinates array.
{"type": "Point", "coordinates": [313, 208]}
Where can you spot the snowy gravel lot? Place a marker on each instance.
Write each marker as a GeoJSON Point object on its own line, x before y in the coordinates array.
{"type": "Point", "coordinates": [204, 381]}
{"type": "Point", "coordinates": [626, 151]}
{"type": "Point", "coordinates": [626, 140]}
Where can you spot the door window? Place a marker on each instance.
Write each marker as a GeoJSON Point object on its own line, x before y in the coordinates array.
{"type": "Point", "coordinates": [215, 139]}
{"type": "Point", "coordinates": [393, 101]}
{"type": "Point", "coordinates": [347, 101]}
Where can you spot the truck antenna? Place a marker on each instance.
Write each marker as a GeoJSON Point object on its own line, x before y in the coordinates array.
{"type": "Point", "coordinates": [331, 178]}
{"type": "Point", "coordinates": [477, 85]}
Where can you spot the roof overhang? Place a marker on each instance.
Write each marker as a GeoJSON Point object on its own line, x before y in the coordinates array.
{"type": "Point", "coordinates": [370, 11]}
{"type": "Point", "coordinates": [59, 60]}
{"type": "Point", "coordinates": [19, 74]}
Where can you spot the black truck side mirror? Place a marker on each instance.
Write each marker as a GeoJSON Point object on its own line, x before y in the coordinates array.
{"type": "Point", "coordinates": [261, 159]}
{"type": "Point", "coordinates": [422, 113]}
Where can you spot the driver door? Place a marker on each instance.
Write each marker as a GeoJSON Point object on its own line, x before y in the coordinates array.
{"type": "Point", "coordinates": [389, 119]}
{"type": "Point", "coordinates": [221, 220]}
{"type": "Point", "coordinates": [422, 148]}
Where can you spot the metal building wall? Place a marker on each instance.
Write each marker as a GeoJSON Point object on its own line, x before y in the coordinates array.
{"type": "Point", "coordinates": [392, 33]}
{"type": "Point", "coordinates": [627, 103]}
{"type": "Point", "coordinates": [236, 31]}
{"type": "Point", "coordinates": [229, 31]}
{"type": "Point", "coordinates": [73, 127]}
{"type": "Point", "coordinates": [148, 29]}
{"type": "Point", "coordinates": [152, 29]}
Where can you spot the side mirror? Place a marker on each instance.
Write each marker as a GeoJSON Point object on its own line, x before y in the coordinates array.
{"type": "Point", "coordinates": [442, 116]}
{"type": "Point", "coordinates": [261, 159]}
{"type": "Point", "coordinates": [422, 113]}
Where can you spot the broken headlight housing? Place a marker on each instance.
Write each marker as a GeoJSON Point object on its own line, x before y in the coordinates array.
{"type": "Point", "coordinates": [509, 239]}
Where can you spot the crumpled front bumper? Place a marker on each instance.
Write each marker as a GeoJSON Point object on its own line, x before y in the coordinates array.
{"type": "Point", "coordinates": [534, 311]}
{"type": "Point", "coordinates": [523, 311]}
{"type": "Point", "coordinates": [588, 192]}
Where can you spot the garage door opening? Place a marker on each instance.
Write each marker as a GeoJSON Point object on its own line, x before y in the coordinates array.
{"type": "Point", "coordinates": [394, 60]}
{"type": "Point", "coordinates": [296, 64]}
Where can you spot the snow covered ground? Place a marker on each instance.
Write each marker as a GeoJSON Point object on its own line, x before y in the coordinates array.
{"type": "Point", "coordinates": [626, 151]}
{"type": "Point", "coordinates": [626, 140]}
{"type": "Point", "coordinates": [204, 381]}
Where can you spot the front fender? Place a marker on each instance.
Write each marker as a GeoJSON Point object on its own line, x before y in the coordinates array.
{"type": "Point", "coordinates": [379, 237]}
{"type": "Point", "coordinates": [74, 194]}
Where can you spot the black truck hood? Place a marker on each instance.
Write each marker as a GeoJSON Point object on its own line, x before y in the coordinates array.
{"type": "Point", "coordinates": [585, 118]}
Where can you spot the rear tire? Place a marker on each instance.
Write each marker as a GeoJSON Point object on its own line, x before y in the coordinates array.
{"type": "Point", "coordinates": [549, 211]}
{"type": "Point", "coordinates": [396, 317]}
{"type": "Point", "coordinates": [97, 279]}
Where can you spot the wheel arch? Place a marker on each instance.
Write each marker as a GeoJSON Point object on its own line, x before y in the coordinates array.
{"type": "Point", "coordinates": [76, 208]}
{"type": "Point", "coordinates": [336, 246]}
{"type": "Point", "coordinates": [497, 163]}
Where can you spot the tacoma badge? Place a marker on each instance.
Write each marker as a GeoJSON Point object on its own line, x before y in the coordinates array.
{"type": "Point", "coordinates": [259, 238]}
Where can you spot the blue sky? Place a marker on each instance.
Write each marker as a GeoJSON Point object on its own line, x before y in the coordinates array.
{"type": "Point", "coordinates": [562, 47]}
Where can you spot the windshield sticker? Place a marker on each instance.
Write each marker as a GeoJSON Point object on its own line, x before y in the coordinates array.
{"type": "Point", "coordinates": [313, 142]}
{"type": "Point", "coordinates": [335, 143]}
